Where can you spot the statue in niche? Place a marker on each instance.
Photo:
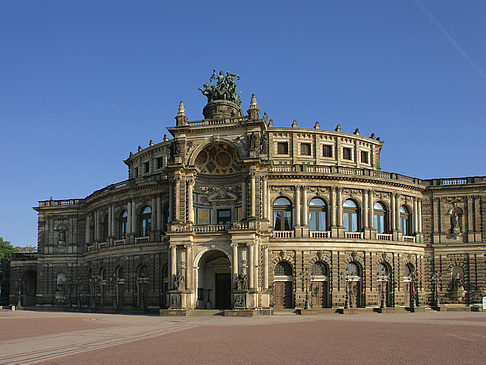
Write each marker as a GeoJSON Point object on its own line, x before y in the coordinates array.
{"type": "Point", "coordinates": [264, 145]}
{"type": "Point", "coordinates": [179, 282]}
{"type": "Point", "coordinates": [455, 221]}
{"type": "Point", "coordinates": [242, 282]}
{"type": "Point", "coordinates": [458, 283]}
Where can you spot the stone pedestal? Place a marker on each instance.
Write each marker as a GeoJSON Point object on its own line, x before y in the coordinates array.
{"type": "Point", "coordinates": [240, 299]}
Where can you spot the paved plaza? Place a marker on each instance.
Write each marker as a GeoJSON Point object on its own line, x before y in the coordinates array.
{"type": "Point", "coordinates": [368, 338]}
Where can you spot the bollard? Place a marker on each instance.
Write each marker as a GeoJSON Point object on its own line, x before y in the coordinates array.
{"type": "Point", "coordinates": [13, 308]}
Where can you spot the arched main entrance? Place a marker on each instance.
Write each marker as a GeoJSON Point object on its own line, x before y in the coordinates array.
{"type": "Point", "coordinates": [29, 279]}
{"type": "Point", "coordinates": [283, 285]}
{"type": "Point", "coordinates": [319, 287]}
{"type": "Point", "coordinates": [214, 281]}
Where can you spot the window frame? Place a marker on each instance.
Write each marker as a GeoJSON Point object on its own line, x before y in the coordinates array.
{"type": "Point", "coordinates": [285, 146]}
{"type": "Point", "coordinates": [348, 214]}
{"type": "Point", "coordinates": [285, 215]}
{"type": "Point", "coordinates": [346, 149]}
{"type": "Point", "coordinates": [317, 210]}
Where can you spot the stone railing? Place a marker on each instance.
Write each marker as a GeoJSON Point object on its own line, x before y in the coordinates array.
{"type": "Point", "coordinates": [456, 181]}
{"type": "Point", "coordinates": [354, 235]}
{"type": "Point", "coordinates": [59, 203]}
{"type": "Point", "coordinates": [211, 228]}
{"type": "Point", "coordinates": [384, 236]}
{"type": "Point", "coordinates": [410, 239]}
{"type": "Point", "coordinates": [119, 242]}
{"type": "Point", "coordinates": [142, 239]}
{"type": "Point", "coordinates": [208, 122]}
{"type": "Point", "coordinates": [320, 234]}
{"type": "Point", "coordinates": [341, 170]}
{"type": "Point", "coordinates": [283, 234]}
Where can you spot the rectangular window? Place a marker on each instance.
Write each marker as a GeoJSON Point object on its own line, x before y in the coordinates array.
{"type": "Point", "coordinates": [203, 216]}
{"type": "Point", "coordinates": [282, 148]}
{"type": "Point", "coordinates": [326, 150]}
{"type": "Point", "coordinates": [135, 172]}
{"type": "Point", "coordinates": [347, 153]}
{"type": "Point", "coordinates": [364, 157]}
{"type": "Point", "coordinates": [305, 149]}
{"type": "Point", "coordinates": [158, 162]}
{"type": "Point", "coordinates": [224, 216]}
{"type": "Point", "coordinates": [146, 167]}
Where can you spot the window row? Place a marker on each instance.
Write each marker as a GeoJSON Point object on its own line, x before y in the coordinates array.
{"type": "Point", "coordinates": [318, 216]}
{"type": "Point", "coordinates": [143, 221]}
{"type": "Point", "coordinates": [327, 151]}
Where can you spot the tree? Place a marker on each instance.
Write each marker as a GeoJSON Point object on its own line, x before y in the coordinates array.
{"type": "Point", "coordinates": [6, 249]}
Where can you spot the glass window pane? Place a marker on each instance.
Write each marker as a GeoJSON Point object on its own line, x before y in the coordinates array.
{"type": "Point", "coordinates": [317, 202]}
{"type": "Point", "coordinates": [282, 201]}
{"type": "Point", "coordinates": [350, 204]}
{"type": "Point", "coordinates": [354, 222]}
{"type": "Point", "coordinates": [287, 220]}
{"type": "Point", "coordinates": [346, 221]}
{"type": "Point", "coordinates": [277, 220]}
{"type": "Point", "coordinates": [322, 221]}
{"type": "Point", "coordinates": [312, 221]}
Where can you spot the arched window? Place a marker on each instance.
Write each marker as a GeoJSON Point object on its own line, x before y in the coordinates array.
{"type": "Point", "coordinates": [123, 224]}
{"type": "Point", "coordinates": [350, 216]}
{"type": "Point", "coordinates": [145, 222]}
{"type": "Point", "coordinates": [352, 270]}
{"type": "Point", "coordinates": [317, 215]}
{"type": "Point", "coordinates": [319, 269]}
{"type": "Point", "coordinates": [382, 270]}
{"type": "Point", "coordinates": [380, 218]}
{"type": "Point", "coordinates": [408, 270]}
{"type": "Point", "coordinates": [60, 281]}
{"type": "Point", "coordinates": [283, 269]}
{"type": "Point", "coordinates": [282, 215]}
{"type": "Point", "coordinates": [405, 221]}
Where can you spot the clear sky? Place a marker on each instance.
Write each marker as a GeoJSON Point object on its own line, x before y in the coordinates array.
{"type": "Point", "coordinates": [83, 83]}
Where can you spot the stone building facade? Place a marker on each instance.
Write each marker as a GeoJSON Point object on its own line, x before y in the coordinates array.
{"type": "Point", "coordinates": [233, 212]}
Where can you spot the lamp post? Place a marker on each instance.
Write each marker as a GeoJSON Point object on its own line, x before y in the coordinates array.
{"type": "Point", "coordinates": [384, 282]}
{"type": "Point", "coordinates": [413, 277]}
{"type": "Point", "coordinates": [437, 277]}
{"type": "Point", "coordinates": [345, 278]}
{"type": "Point", "coordinates": [305, 276]}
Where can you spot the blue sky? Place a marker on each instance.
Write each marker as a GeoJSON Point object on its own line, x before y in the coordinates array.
{"type": "Point", "coordinates": [83, 83]}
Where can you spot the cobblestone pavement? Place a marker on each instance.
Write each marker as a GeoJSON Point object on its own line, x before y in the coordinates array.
{"type": "Point", "coordinates": [82, 338]}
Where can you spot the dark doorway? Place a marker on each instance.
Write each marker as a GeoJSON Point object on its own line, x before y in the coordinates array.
{"type": "Point", "coordinates": [29, 279]}
{"type": "Point", "coordinates": [223, 291]}
{"type": "Point", "coordinates": [355, 294]}
{"type": "Point", "coordinates": [283, 294]}
{"type": "Point", "coordinates": [319, 294]}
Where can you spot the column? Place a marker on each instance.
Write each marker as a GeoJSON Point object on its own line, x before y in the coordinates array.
{"type": "Point", "coordinates": [370, 209]}
{"type": "Point", "coordinates": [154, 213]}
{"type": "Point", "coordinates": [113, 221]}
{"type": "Point", "coordinates": [87, 234]}
{"type": "Point", "coordinates": [297, 205]}
{"type": "Point", "coordinates": [265, 214]}
{"type": "Point", "coordinates": [235, 261]}
{"type": "Point", "coordinates": [173, 265]}
{"type": "Point", "coordinates": [333, 222]}
{"type": "Point", "coordinates": [171, 198]}
{"type": "Point", "coordinates": [97, 226]}
{"type": "Point", "coordinates": [392, 213]}
{"type": "Point", "coordinates": [470, 219]}
{"type": "Point", "coordinates": [255, 265]}
{"type": "Point", "coordinates": [397, 211]}
{"type": "Point", "coordinates": [420, 215]}
{"type": "Point", "coordinates": [158, 223]}
{"type": "Point", "coordinates": [305, 215]}
{"type": "Point", "coordinates": [188, 267]}
{"type": "Point", "coordinates": [129, 217]}
{"type": "Point", "coordinates": [265, 267]}
{"type": "Point", "coordinates": [190, 204]}
{"type": "Point", "coordinates": [253, 197]}
{"type": "Point", "coordinates": [177, 199]}
{"type": "Point", "coordinates": [339, 208]}
{"type": "Point", "coordinates": [134, 218]}
{"type": "Point", "coordinates": [109, 221]}
{"type": "Point", "coordinates": [243, 199]}
{"type": "Point", "coordinates": [415, 216]}
{"type": "Point", "coordinates": [365, 209]}
{"type": "Point", "coordinates": [251, 264]}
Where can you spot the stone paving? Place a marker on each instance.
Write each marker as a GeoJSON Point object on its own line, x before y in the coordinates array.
{"type": "Point", "coordinates": [81, 338]}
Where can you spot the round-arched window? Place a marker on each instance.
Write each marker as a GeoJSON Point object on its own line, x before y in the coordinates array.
{"type": "Point", "coordinates": [352, 269]}
{"type": "Point", "coordinates": [350, 216]}
{"type": "Point", "coordinates": [145, 222]}
{"type": "Point", "coordinates": [317, 215]}
{"type": "Point", "coordinates": [319, 269]}
{"type": "Point", "coordinates": [382, 270]}
{"type": "Point", "coordinates": [282, 214]}
{"type": "Point", "coordinates": [405, 221]}
{"type": "Point", "coordinates": [380, 221]}
{"type": "Point", "coordinates": [283, 269]}
{"type": "Point", "coordinates": [123, 224]}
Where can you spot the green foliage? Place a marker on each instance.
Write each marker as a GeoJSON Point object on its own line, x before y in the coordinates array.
{"type": "Point", "coordinates": [6, 249]}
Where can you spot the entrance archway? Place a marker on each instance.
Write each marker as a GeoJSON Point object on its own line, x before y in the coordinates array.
{"type": "Point", "coordinates": [353, 274]}
{"type": "Point", "coordinates": [319, 287]}
{"type": "Point", "coordinates": [214, 281]}
{"type": "Point", "coordinates": [283, 285]}
{"type": "Point", "coordinates": [29, 279]}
